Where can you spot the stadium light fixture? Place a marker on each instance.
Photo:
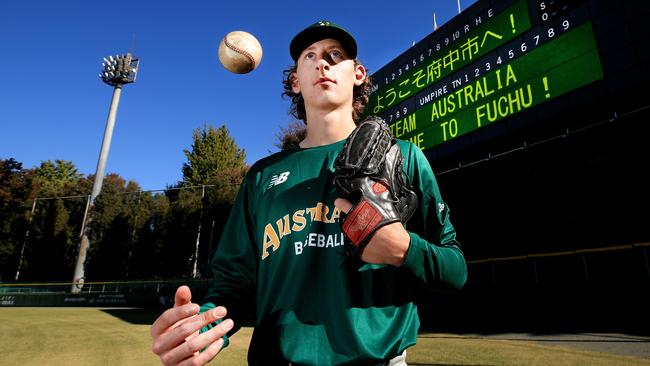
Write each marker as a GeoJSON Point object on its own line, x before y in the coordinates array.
{"type": "Point", "coordinates": [119, 70]}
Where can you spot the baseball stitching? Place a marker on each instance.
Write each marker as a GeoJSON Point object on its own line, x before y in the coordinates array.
{"type": "Point", "coordinates": [241, 51]}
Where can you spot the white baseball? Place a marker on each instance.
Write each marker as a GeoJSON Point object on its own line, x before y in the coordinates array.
{"type": "Point", "coordinates": [240, 52]}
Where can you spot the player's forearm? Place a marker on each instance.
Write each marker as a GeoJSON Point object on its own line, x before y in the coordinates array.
{"type": "Point", "coordinates": [438, 267]}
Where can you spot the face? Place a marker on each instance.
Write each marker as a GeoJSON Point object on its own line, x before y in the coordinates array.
{"type": "Point", "coordinates": [326, 76]}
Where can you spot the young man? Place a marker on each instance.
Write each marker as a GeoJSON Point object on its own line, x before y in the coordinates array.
{"type": "Point", "coordinates": [281, 254]}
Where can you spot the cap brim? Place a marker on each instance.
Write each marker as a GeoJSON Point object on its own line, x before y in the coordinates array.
{"type": "Point", "coordinates": [309, 36]}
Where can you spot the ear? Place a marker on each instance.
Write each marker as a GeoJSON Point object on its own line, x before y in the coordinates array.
{"type": "Point", "coordinates": [359, 75]}
{"type": "Point", "coordinates": [295, 85]}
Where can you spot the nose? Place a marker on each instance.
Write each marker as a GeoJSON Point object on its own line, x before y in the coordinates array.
{"type": "Point", "coordinates": [322, 65]}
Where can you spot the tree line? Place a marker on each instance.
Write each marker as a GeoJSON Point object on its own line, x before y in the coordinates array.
{"type": "Point", "coordinates": [133, 234]}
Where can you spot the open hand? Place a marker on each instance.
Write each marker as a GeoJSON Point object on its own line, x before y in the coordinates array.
{"type": "Point", "coordinates": [176, 338]}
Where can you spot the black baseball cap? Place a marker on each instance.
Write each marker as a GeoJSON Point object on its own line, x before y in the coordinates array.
{"type": "Point", "coordinates": [322, 30]}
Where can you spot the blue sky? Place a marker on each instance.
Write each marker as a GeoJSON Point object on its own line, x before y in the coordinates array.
{"type": "Point", "coordinates": [54, 106]}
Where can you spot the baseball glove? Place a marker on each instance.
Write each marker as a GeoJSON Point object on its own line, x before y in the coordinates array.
{"type": "Point", "coordinates": [368, 173]}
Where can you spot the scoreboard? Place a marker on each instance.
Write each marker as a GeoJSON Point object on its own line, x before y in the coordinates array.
{"type": "Point", "coordinates": [494, 60]}
{"type": "Point", "coordinates": [534, 115]}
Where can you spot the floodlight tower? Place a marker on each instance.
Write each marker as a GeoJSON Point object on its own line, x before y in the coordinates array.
{"type": "Point", "coordinates": [117, 71]}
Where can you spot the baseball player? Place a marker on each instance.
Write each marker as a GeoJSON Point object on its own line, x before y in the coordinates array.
{"type": "Point", "coordinates": [283, 252]}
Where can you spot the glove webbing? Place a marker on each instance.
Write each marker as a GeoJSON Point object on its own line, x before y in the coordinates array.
{"type": "Point", "coordinates": [369, 155]}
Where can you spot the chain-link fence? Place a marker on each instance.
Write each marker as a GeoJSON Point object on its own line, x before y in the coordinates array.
{"type": "Point", "coordinates": [133, 234]}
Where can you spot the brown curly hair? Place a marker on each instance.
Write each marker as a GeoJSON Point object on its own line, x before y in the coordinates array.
{"type": "Point", "coordinates": [360, 96]}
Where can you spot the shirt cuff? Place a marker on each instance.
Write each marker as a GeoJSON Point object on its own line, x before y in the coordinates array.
{"type": "Point", "coordinates": [413, 254]}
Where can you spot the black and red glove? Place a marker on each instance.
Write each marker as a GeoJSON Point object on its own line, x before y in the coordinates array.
{"type": "Point", "coordinates": [368, 173]}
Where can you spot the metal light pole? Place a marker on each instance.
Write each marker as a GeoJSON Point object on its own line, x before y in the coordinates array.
{"type": "Point", "coordinates": [198, 237]}
{"type": "Point", "coordinates": [22, 248]}
{"type": "Point", "coordinates": [117, 71]}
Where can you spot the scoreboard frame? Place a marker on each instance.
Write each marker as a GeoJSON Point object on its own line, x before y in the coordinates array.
{"type": "Point", "coordinates": [548, 52]}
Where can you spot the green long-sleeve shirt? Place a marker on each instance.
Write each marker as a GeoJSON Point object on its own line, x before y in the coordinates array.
{"type": "Point", "coordinates": [281, 255]}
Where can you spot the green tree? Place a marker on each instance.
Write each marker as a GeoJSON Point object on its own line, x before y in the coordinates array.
{"type": "Point", "coordinates": [58, 178]}
{"type": "Point", "coordinates": [52, 249]}
{"type": "Point", "coordinates": [215, 160]}
{"type": "Point", "coordinates": [290, 136]}
{"type": "Point", "coordinates": [148, 257]}
{"type": "Point", "coordinates": [117, 217]}
{"type": "Point", "coordinates": [16, 195]}
{"type": "Point", "coordinates": [213, 152]}
{"type": "Point", "coordinates": [133, 234]}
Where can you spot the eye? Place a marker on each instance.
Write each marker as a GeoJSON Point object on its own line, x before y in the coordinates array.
{"type": "Point", "coordinates": [310, 55]}
{"type": "Point", "coordinates": [336, 55]}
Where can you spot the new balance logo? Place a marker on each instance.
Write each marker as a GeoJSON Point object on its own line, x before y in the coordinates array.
{"type": "Point", "coordinates": [278, 179]}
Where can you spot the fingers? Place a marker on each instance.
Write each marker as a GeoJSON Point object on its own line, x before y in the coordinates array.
{"type": "Point", "coordinates": [205, 356]}
{"type": "Point", "coordinates": [183, 296]}
{"type": "Point", "coordinates": [388, 245]}
{"type": "Point", "coordinates": [171, 317]}
{"type": "Point", "coordinates": [343, 205]}
{"type": "Point", "coordinates": [177, 335]}
{"type": "Point", "coordinates": [181, 348]}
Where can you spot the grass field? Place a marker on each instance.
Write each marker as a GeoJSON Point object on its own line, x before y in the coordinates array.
{"type": "Point", "coordinates": [88, 336]}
